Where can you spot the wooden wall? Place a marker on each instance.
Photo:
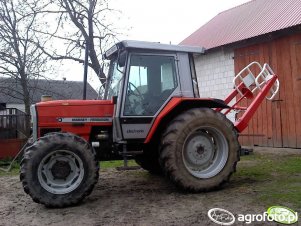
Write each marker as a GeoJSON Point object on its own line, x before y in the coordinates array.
{"type": "Point", "coordinates": [277, 123]}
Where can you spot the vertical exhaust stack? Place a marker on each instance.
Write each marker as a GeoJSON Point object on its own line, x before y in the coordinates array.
{"type": "Point", "coordinates": [45, 98]}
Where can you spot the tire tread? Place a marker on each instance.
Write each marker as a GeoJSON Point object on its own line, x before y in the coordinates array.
{"type": "Point", "coordinates": [169, 146]}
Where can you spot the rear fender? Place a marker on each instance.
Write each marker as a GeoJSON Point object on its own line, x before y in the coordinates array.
{"type": "Point", "coordinates": [175, 107]}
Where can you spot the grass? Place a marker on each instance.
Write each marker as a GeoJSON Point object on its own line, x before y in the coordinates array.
{"type": "Point", "coordinates": [14, 171]}
{"type": "Point", "coordinates": [275, 179]}
{"type": "Point", "coordinates": [115, 163]}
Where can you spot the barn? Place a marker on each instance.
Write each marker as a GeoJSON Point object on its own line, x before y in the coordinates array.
{"type": "Point", "coordinates": [266, 31]}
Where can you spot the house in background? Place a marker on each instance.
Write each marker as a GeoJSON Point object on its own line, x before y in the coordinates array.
{"type": "Point", "coordinates": [266, 31]}
{"type": "Point", "coordinates": [12, 116]}
{"type": "Point", "coordinates": [10, 96]}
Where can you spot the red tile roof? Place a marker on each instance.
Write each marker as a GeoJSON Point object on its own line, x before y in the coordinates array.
{"type": "Point", "coordinates": [248, 20]}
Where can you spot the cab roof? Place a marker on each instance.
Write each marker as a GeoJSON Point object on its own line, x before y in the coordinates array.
{"type": "Point", "coordinates": [158, 46]}
{"type": "Point", "coordinates": [142, 45]}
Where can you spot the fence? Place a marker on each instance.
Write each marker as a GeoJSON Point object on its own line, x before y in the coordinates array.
{"type": "Point", "coordinates": [13, 123]}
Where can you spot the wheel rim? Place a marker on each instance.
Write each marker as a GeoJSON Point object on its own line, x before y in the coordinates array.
{"type": "Point", "coordinates": [60, 172]}
{"type": "Point", "coordinates": [205, 152]}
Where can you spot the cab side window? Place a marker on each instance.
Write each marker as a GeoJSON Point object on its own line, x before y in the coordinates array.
{"type": "Point", "coordinates": [152, 79]}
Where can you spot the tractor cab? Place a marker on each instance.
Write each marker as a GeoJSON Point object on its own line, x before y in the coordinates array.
{"type": "Point", "coordinates": [143, 77]}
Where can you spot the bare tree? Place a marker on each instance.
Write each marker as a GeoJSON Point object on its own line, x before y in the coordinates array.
{"type": "Point", "coordinates": [81, 22]}
{"type": "Point", "coordinates": [20, 58]}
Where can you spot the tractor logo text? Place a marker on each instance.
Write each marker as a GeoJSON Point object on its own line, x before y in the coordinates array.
{"type": "Point", "coordinates": [93, 119]}
{"type": "Point", "coordinates": [135, 131]}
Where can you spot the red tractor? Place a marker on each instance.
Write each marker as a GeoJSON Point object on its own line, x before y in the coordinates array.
{"type": "Point", "coordinates": [151, 111]}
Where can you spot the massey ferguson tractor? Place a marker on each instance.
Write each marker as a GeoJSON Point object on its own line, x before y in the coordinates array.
{"type": "Point", "coordinates": [151, 111]}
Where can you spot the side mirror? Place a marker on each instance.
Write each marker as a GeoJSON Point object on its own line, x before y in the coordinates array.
{"type": "Point", "coordinates": [122, 59]}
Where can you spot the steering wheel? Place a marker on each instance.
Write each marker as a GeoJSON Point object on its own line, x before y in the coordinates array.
{"type": "Point", "coordinates": [134, 104]}
{"type": "Point", "coordinates": [135, 91]}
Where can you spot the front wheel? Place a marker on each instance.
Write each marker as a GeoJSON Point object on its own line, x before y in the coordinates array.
{"type": "Point", "coordinates": [199, 150]}
{"type": "Point", "coordinates": [59, 170]}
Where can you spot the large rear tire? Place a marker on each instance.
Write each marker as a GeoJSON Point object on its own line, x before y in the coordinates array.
{"type": "Point", "coordinates": [59, 170]}
{"type": "Point", "coordinates": [199, 150]}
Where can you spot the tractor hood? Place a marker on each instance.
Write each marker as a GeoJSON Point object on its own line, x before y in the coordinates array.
{"type": "Point", "coordinates": [75, 116]}
{"type": "Point", "coordinates": [74, 103]}
{"type": "Point", "coordinates": [73, 110]}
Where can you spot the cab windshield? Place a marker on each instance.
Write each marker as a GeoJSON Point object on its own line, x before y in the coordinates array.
{"type": "Point", "coordinates": [114, 81]}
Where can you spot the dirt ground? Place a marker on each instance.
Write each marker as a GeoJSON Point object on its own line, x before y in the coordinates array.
{"type": "Point", "coordinates": [128, 198]}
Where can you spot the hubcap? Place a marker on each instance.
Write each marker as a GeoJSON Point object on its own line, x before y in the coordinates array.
{"type": "Point", "coordinates": [60, 172]}
{"type": "Point", "coordinates": [200, 150]}
{"type": "Point", "coordinates": [205, 152]}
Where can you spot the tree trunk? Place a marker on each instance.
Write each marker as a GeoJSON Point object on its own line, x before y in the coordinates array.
{"type": "Point", "coordinates": [92, 53]}
{"type": "Point", "coordinates": [26, 100]}
{"type": "Point", "coordinates": [27, 118]}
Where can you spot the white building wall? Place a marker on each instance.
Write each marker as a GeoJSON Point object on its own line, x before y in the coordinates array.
{"type": "Point", "coordinates": [215, 72]}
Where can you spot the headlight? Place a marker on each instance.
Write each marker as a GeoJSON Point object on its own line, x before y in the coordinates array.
{"type": "Point", "coordinates": [34, 121]}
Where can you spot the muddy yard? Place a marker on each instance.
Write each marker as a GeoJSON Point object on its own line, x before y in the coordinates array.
{"type": "Point", "coordinates": [138, 198]}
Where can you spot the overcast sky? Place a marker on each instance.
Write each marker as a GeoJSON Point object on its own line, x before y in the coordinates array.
{"type": "Point", "coordinates": [169, 20]}
{"type": "Point", "coordinates": [165, 21]}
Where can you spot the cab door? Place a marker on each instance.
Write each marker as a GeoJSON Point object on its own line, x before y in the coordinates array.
{"type": "Point", "coordinates": [152, 79]}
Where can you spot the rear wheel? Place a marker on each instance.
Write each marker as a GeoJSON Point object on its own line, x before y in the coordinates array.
{"type": "Point", "coordinates": [199, 150]}
{"type": "Point", "coordinates": [59, 170]}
